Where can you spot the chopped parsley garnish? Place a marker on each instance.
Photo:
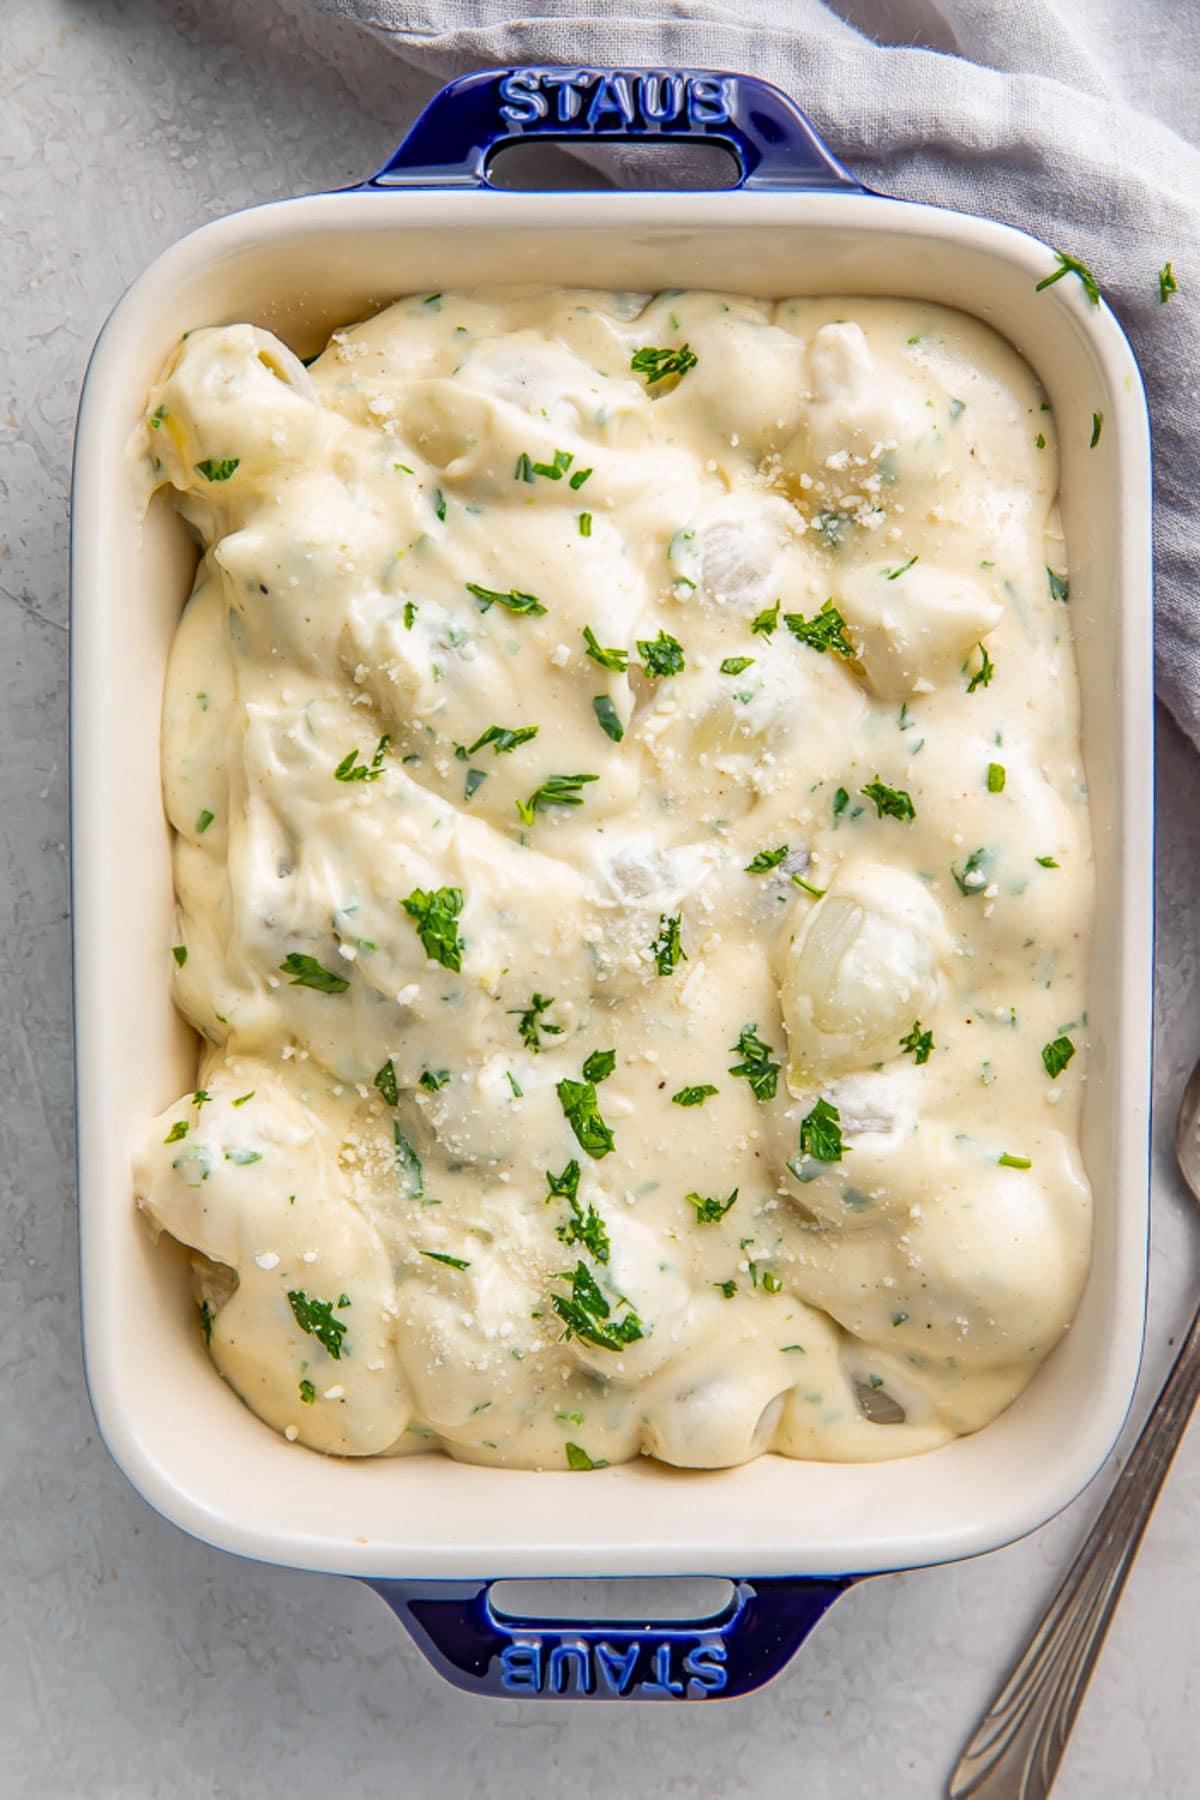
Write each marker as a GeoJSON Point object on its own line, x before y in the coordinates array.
{"type": "Point", "coordinates": [1097, 428]}
{"type": "Point", "coordinates": [159, 414]}
{"type": "Point", "coordinates": [435, 914]}
{"type": "Point", "coordinates": [350, 769]}
{"type": "Point", "coordinates": [708, 1210]}
{"type": "Point", "coordinates": [204, 820]}
{"type": "Point", "coordinates": [890, 802]}
{"type": "Point", "coordinates": [242, 1098]}
{"type": "Point", "coordinates": [608, 659]}
{"type": "Point", "coordinates": [660, 656]}
{"type": "Point", "coordinates": [243, 1157]}
{"type": "Point", "coordinates": [410, 612]}
{"type": "Point", "coordinates": [585, 1226]}
{"type": "Point", "coordinates": [1167, 284]}
{"type": "Point", "coordinates": [975, 874]}
{"type": "Point", "coordinates": [316, 1318]}
{"type": "Point", "coordinates": [826, 630]}
{"type": "Point", "coordinates": [997, 775]}
{"type": "Point", "coordinates": [771, 1282]}
{"type": "Point", "coordinates": [179, 952]}
{"type": "Point", "coordinates": [657, 365]}
{"type": "Point", "coordinates": [585, 524]}
{"type": "Point", "coordinates": [599, 1065]}
{"type": "Point", "coordinates": [586, 1312]}
{"type": "Point", "coordinates": [816, 892]}
{"type": "Point", "coordinates": [900, 1318]}
{"type": "Point", "coordinates": [1040, 441]}
{"type": "Point", "coordinates": [578, 478]}
{"type": "Point", "coordinates": [551, 471]}
{"type": "Point", "coordinates": [207, 1316]}
{"type": "Point", "coordinates": [385, 1083]}
{"type": "Point", "coordinates": [439, 503]}
{"type": "Point", "coordinates": [733, 665]}
{"type": "Point", "coordinates": [524, 468]}
{"type": "Point", "coordinates": [409, 1167]}
{"type": "Point", "coordinates": [475, 779]}
{"type": "Point", "coordinates": [764, 623]}
{"type": "Point", "coordinates": [727, 1288]}
{"type": "Point", "coordinates": [1060, 587]}
{"type": "Point", "coordinates": [433, 1079]}
{"type": "Point", "coordinates": [1046, 862]}
{"type": "Point", "coordinates": [306, 971]}
{"type": "Point", "coordinates": [756, 1065]}
{"type": "Point", "coordinates": [841, 801]}
{"type": "Point", "coordinates": [983, 675]}
{"type": "Point", "coordinates": [821, 1133]}
{"type": "Point", "coordinates": [765, 859]}
{"type": "Point", "coordinates": [694, 1096]}
{"type": "Point", "coordinates": [451, 1262]}
{"type": "Point", "coordinates": [308, 1392]}
{"type": "Point", "coordinates": [578, 1101]}
{"type": "Point", "coordinates": [556, 790]}
{"type": "Point", "coordinates": [608, 718]}
{"type": "Point", "coordinates": [514, 600]}
{"type": "Point", "coordinates": [503, 739]}
{"type": "Point", "coordinates": [919, 1042]}
{"type": "Point", "coordinates": [1071, 265]}
{"type": "Point", "coordinates": [218, 468]}
{"type": "Point", "coordinates": [178, 1130]}
{"type": "Point", "coordinates": [666, 949]}
{"type": "Point", "coordinates": [530, 1021]}
{"type": "Point", "coordinates": [1007, 1161]}
{"type": "Point", "coordinates": [895, 574]}
{"type": "Point", "coordinates": [1057, 1055]}
{"type": "Point", "coordinates": [579, 1460]}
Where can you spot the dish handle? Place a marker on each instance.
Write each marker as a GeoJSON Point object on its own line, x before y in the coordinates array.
{"type": "Point", "coordinates": [469, 120]}
{"type": "Point", "coordinates": [733, 1652]}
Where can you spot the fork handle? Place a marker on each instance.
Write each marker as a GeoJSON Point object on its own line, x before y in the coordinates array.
{"type": "Point", "coordinates": [1015, 1753]}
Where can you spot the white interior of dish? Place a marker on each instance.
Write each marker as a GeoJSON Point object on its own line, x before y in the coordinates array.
{"type": "Point", "coordinates": [180, 1434]}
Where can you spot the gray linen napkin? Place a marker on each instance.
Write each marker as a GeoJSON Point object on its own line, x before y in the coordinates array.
{"type": "Point", "coordinates": [1076, 120]}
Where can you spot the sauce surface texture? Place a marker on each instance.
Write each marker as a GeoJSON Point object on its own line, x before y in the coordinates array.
{"type": "Point", "coordinates": [633, 877]}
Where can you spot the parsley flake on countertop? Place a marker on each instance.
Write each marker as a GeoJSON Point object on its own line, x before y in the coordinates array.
{"type": "Point", "coordinates": [316, 1318]}
{"type": "Point", "coordinates": [435, 915]}
{"type": "Point", "coordinates": [756, 1065]}
{"type": "Point", "coordinates": [306, 971]}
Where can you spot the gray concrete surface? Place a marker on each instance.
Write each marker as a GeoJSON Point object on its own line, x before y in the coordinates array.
{"type": "Point", "coordinates": [133, 1661]}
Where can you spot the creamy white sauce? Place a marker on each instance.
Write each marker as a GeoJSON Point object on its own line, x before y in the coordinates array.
{"type": "Point", "coordinates": [383, 1262]}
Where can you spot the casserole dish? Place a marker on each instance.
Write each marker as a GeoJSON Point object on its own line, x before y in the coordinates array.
{"type": "Point", "coordinates": [431, 1534]}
